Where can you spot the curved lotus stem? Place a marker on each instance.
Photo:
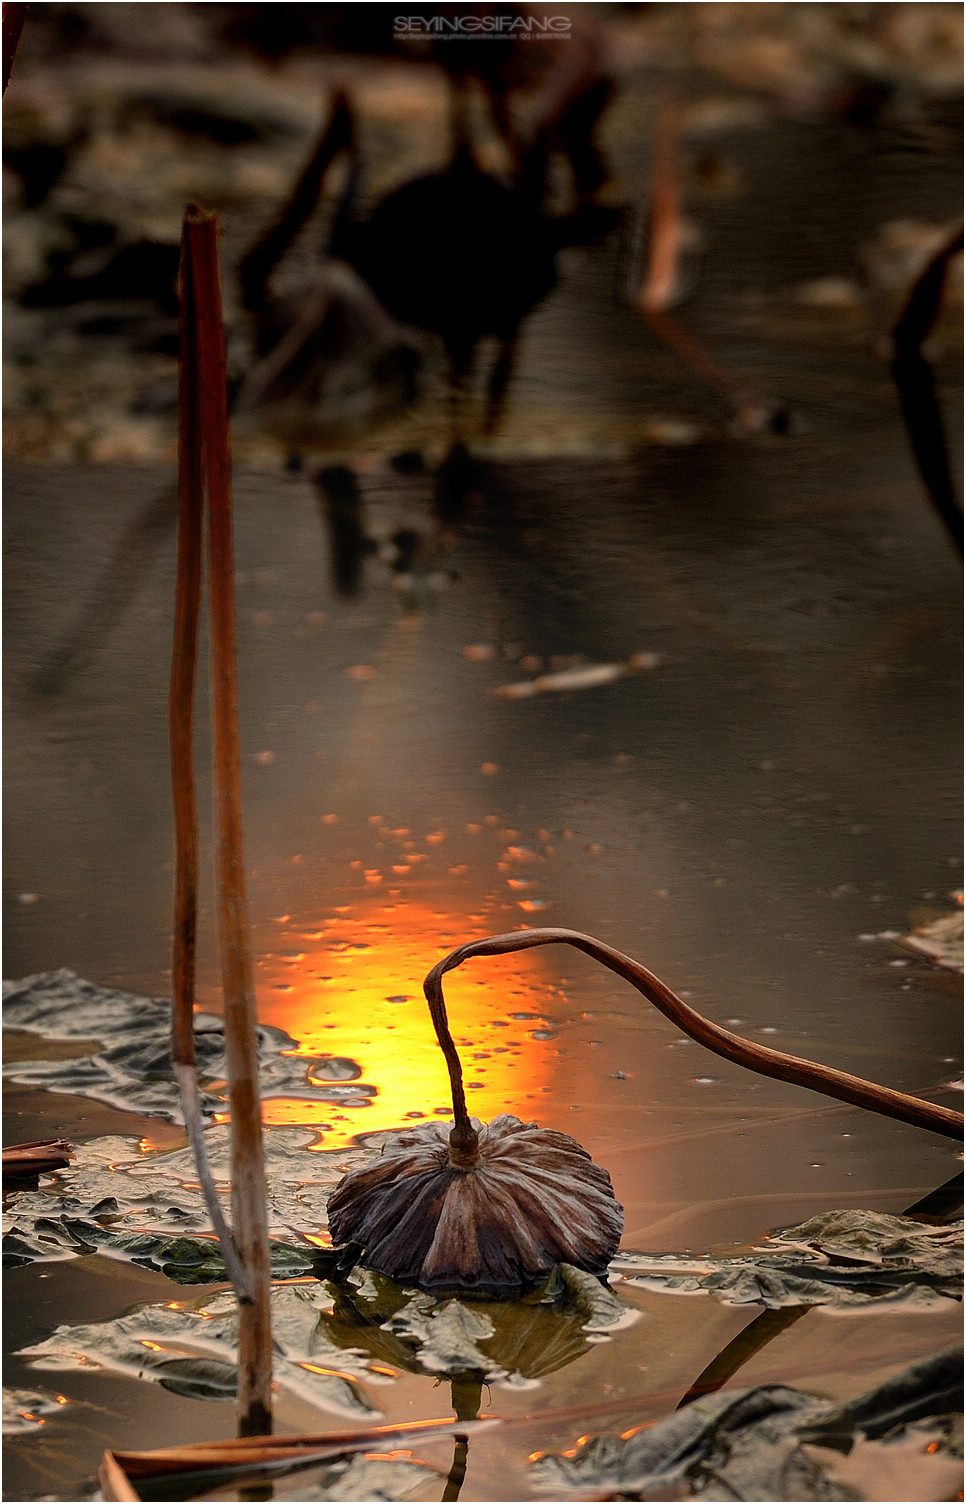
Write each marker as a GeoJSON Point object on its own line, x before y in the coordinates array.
{"type": "Point", "coordinates": [756, 1057]}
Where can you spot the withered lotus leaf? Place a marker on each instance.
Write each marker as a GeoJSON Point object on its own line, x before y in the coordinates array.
{"type": "Point", "coordinates": [491, 1221]}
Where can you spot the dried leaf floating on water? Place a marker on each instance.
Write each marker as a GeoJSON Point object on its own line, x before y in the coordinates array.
{"type": "Point", "coordinates": [484, 1207]}
{"type": "Point", "coordinates": [844, 1260]}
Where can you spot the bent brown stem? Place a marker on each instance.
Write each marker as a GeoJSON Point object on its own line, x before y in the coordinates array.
{"type": "Point", "coordinates": [755, 1057]}
{"type": "Point", "coordinates": [464, 1138]}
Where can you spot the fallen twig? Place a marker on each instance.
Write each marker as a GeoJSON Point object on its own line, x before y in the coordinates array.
{"type": "Point", "coordinates": [38, 1157]}
{"type": "Point", "coordinates": [263, 1454]}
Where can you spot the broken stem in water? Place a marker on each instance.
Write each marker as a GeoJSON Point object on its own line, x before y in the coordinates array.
{"type": "Point", "coordinates": [205, 481]}
{"type": "Point", "coordinates": [755, 1057]}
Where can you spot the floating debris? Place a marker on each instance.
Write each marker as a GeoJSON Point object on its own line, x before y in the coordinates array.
{"type": "Point", "coordinates": [941, 940]}
{"type": "Point", "coordinates": [586, 677]}
{"type": "Point", "coordinates": [333, 1338]}
{"type": "Point", "coordinates": [581, 676]}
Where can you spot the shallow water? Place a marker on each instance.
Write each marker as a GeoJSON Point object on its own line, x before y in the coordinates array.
{"type": "Point", "coordinates": [746, 816]}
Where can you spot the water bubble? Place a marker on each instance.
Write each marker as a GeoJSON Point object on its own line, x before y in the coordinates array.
{"type": "Point", "coordinates": [399, 997]}
{"type": "Point", "coordinates": [704, 1080]}
{"type": "Point", "coordinates": [543, 1034]}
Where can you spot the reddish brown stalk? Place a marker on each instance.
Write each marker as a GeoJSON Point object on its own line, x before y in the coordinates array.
{"type": "Point", "coordinates": [120, 1469]}
{"type": "Point", "coordinates": [14, 17]}
{"type": "Point", "coordinates": [464, 1139]}
{"type": "Point", "coordinates": [206, 445]}
{"type": "Point", "coordinates": [38, 1157]}
{"type": "Point", "coordinates": [184, 657]}
{"type": "Point", "coordinates": [755, 1057]}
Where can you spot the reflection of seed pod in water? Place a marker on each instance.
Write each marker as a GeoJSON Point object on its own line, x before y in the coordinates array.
{"type": "Point", "coordinates": [527, 1338]}
{"type": "Point", "coordinates": [494, 1219]}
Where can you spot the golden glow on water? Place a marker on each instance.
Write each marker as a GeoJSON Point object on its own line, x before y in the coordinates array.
{"type": "Point", "coordinates": [351, 985]}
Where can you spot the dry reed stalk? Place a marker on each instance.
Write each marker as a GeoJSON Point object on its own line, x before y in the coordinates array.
{"type": "Point", "coordinates": [120, 1471]}
{"type": "Point", "coordinates": [14, 17]}
{"type": "Point", "coordinates": [184, 657]}
{"type": "Point", "coordinates": [38, 1157]}
{"type": "Point", "coordinates": [205, 482]}
{"type": "Point", "coordinates": [755, 1057]}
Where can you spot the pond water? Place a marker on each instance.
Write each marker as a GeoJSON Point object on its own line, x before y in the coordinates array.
{"type": "Point", "coordinates": [749, 809]}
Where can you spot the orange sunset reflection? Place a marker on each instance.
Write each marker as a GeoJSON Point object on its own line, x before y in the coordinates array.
{"type": "Point", "coordinates": [353, 987]}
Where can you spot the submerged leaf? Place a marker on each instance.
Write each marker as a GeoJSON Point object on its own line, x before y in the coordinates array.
{"type": "Point", "coordinates": [749, 1443]}
{"type": "Point", "coordinates": [133, 1070]}
{"type": "Point", "coordinates": [845, 1259]}
{"type": "Point", "coordinates": [156, 1342]}
{"type": "Point", "coordinates": [25, 1409]}
{"type": "Point", "coordinates": [131, 1205]}
{"type": "Point", "coordinates": [375, 1478]}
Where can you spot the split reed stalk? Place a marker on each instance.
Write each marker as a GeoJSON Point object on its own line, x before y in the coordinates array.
{"type": "Point", "coordinates": [204, 482]}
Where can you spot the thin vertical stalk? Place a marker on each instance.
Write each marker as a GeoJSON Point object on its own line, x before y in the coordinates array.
{"type": "Point", "coordinates": [206, 447]}
{"type": "Point", "coordinates": [184, 657]}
